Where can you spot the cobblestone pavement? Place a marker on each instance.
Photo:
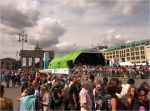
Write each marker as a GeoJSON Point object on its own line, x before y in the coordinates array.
{"type": "Point", "coordinates": [13, 93]}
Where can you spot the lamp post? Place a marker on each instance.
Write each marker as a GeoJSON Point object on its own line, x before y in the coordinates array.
{"type": "Point", "coordinates": [22, 38]}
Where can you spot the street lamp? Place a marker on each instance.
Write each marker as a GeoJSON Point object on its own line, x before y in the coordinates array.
{"type": "Point", "coordinates": [22, 38]}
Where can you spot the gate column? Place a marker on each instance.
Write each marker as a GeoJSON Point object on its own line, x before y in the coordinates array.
{"type": "Point", "coordinates": [33, 63]}
{"type": "Point", "coordinates": [41, 63]}
{"type": "Point", "coordinates": [27, 62]}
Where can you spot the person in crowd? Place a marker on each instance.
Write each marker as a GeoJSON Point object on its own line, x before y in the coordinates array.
{"type": "Point", "coordinates": [23, 79]}
{"type": "Point", "coordinates": [24, 86]}
{"type": "Point", "coordinates": [104, 86]}
{"type": "Point", "coordinates": [7, 78]}
{"type": "Point", "coordinates": [5, 103]}
{"type": "Point", "coordinates": [57, 95]}
{"type": "Point", "coordinates": [85, 101]}
{"type": "Point", "coordinates": [131, 97]}
{"type": "Point", "coordinates": [142, 104]}
{"type": "Point", "coordinates": [114, 86]}
{"type": "Point", "coordinates": [13, 78]}
{"type": "Point", "coordinates": [44, 78]}
{"type": "Point", "coordinates": [66, 95]}
{"type": "Point", "coordinates": [64, 78]}
{"type": "Point", "coordinates": [18, 79]}
{"type": "Point", "coordinates": [29, 102]}
{"type": "Point", "coordinates": [90, 90]}
{"type": "Point", "coordinates": [145, 86]}
{"type": "Point", "coordinates": [38, 78]}
{"type": "Point", "coordinates": [49, 82]}
{"type": "Point", "coordinates": [37, 91]}
{"type": "Point", "coordinates": [46, 98]}
{"type": "Point", "coordinates": [86, 77]}
{"type": "Point", "coordinates": [97, 92]}
{"type": "Point", "coordinates": [78, 83]}
{"type": "Point", "coordinates": [74, 95]}
{"type": "Point", "coordinates": [125, 87]}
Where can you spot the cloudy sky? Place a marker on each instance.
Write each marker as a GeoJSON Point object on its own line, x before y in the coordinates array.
{"type": "Point", "coordinates": [69, 25]}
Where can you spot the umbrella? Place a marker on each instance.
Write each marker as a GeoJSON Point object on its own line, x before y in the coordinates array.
{"type": "Point", "coordinates": [3, 69]}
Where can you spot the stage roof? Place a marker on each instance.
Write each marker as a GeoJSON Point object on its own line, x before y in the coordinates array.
{"type": "Point", "coordinates": [61, 62]}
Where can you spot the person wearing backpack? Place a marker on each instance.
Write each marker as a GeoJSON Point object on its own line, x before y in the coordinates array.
{"type": "Point", "coordinates": [97, 92]}
{"type": "Point", "coordinates": [104, 86]}
{"type": "Point", "coordinates": [114, 103]}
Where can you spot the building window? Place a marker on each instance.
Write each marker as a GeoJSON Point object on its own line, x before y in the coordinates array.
{"type": "Point", "coordinates": [142, 57]}
{"type": "Point", "coordinates": [136, 48]}
{"type": "Point", "coordinates": [127, 50]}
{"type": "Point", "coordinates": [137, 53]}
{"type": "Point", "coordinates": [142, 48]}
{"type": "Point", "coordinates": [137, 57]}
{"type": "Point", "coordinates": [132, 54]}
{"type": "Point", "coordinates": [128, 54]}
{"type": "Point", "coordinates": [142, 52]}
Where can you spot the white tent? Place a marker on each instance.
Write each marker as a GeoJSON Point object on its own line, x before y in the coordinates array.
{"type": "Point", "coordinates": [126, 63]}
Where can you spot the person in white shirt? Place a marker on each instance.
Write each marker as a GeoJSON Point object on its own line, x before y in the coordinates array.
{"type": "Point", "coordinates": [125, 87]}
{"type": "Point", "coordinates": [85, 101]}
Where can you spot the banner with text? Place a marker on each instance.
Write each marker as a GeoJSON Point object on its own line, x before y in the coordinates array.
{"type": "Point", "coordinates": [46, 60]}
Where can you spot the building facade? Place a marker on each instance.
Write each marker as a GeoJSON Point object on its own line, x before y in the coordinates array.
{"type": "Point", "coordinates": [136, 52]}
{"type": "Point", "coordinates": [9, 63]}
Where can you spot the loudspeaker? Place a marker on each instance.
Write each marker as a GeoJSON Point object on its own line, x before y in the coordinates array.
{"type": "Point", "coordinates": [70, 63]}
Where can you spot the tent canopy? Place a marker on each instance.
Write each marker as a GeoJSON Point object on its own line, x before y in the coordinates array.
{"type": "Point", "coordinates": [126, 63]}
{"type": "Point", "coordinates": [89, 56]}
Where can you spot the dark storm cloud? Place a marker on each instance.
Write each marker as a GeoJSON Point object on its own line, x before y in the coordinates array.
{"type": "Point", "coordinates": [13, 17]}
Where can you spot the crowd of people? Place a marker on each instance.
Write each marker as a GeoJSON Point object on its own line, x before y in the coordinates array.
{"type": "Point", "coordinates": [79, 91]}
{"type": "Point", "coordinates": [142, 71]}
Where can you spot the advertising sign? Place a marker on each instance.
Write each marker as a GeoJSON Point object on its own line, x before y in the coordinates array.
{"type": "Point", "coordinates": [46, 60]}
{"type": "Point", "coordinates": [58, 71]}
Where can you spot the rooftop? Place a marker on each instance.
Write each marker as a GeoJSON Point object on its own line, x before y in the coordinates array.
{"type": "Point", "coordinates": [132, 44]}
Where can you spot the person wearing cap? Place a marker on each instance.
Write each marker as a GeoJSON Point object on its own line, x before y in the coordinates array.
{"type": "Point", "coordinates": [85, 101]}
{"type": "Point", "coordinates": [5, 103]}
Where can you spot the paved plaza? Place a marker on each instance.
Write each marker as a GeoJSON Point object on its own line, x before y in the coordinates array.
{"type": "Point", "coordinates": [13, 93]}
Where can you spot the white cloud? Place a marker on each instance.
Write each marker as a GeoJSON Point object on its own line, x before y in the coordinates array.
{"type": "Point", "coordinates": [111, 38]}
{"type": "Point", "coordinates": [47, 32]}
{"type": "Point", "coordinates": [67, 46]}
